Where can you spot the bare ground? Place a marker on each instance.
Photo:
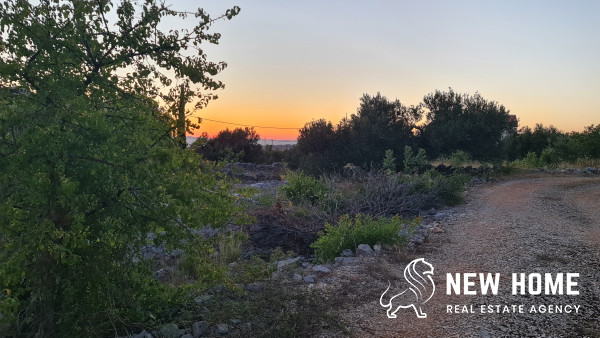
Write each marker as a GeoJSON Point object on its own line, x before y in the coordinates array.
{"type": "Point", "coordinates": [543, 223]}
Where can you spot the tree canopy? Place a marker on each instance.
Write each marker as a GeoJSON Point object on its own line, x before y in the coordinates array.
{"type": "Point", "coordinates": [89, 165]}
{"type": "Point", "coordinates": [465, 122]}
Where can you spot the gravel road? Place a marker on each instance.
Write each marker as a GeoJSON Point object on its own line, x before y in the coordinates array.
{"type": "Point", "coordinates": [527, 224]}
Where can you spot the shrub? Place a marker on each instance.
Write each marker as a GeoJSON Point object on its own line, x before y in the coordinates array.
{"type": "Point", "coordinates": [447, 189]}
{"type": "Point", "coordinates": [459, 158]}
{"type": "Point", "coordinates": [303, 188]}
{"type": "Point", "coordinates": [549, 157]}
{"type": "Point", "coordinates": [348, 233]}
{"type": "Point", "coordinates": [413, 163]}
{"type": "Point", "coordinates": [389, 162]}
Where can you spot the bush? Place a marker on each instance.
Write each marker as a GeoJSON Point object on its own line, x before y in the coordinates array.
{"type": "Point", "coordinates": [413, 163]}
{"type": "Point", "coordinates": [349, 233]}
{"type": "Point", "coordinates": [459, 158]}
{"type": "Point", "coordinates": [549, 157]}
{"type": "Point", "coordinates": [447, 189]}
{"type": "Point", "coordinates": [389, 162]}
{"type": "Point", "coordinates": [303, 188]}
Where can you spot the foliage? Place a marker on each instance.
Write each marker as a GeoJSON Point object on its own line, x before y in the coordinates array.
{"type": "Point", "coordinates": [459, 158]}
{"type": "Point", "coordinates": [231, 145]}
{"type": "Point", "coordinates": [448, 189]}
{"type": "Point", "coordinates": [89, 165]}
{"type": "Point", "coordinates": [302, 188]}
{"type": "Point", "coordinates": [349, 232]}
{"type": "Point", "coordinates": [362, 139]}
{"type": "Point", "coordinates": [414, 163]}
{"type": "Point", "coordinates": [529, 161]}
{"type": "Point", "coordinates": [276, 310]}
{"type": "Point", "coordinates": [465, 122]}
{"type": "Point", "coordinates": [389, 162]}
{"type": "Point", "coordinates": [230, 247]}
{"type": "Point", "coordinates": [552, 146]}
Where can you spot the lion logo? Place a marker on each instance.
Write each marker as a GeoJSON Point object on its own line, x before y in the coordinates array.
{"type": "Point", "coordinates": [420, 287]}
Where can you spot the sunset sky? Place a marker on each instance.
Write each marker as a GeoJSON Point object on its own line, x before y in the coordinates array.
{"type": "Point", "coordinates": [294, 61]}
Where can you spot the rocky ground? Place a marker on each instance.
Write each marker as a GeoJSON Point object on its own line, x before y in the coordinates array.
{"type": "Point", "coordinates": [534, 223]}
{"type": "Point", "coordinates": [538, 222]}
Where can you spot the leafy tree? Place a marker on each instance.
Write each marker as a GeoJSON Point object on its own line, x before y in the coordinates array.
{"type": "Point", "coordinates": [88, 165]}
{"type": "Point", "coordinates": [317, 144]}
{"type": "Point", "coordinates": [378, 125]}
{"type": "Point", "coordinates": [241, 144]}
{"type": "Point", "coordinates": [526, 140]}
{"type": "Point", "coordinates": [465, 122]}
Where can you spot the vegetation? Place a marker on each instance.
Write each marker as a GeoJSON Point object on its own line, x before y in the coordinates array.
{"type": "Point", "coordinates": [414, 163]}
{"type": "Point", "coordinates": [349, 232]}
{"type": "Point", "coordinates": [91, 164]}
{"type": "Point", "coordinates": [303, 188]}
{"type": "Point", "coordinates": [465, 122]}
{"type": "Point", "coordinates": [238, 145]}
{"type": "Point", "coordinates": [389, 162]}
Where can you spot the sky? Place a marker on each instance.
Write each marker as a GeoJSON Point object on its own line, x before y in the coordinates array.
{"type": "Point", "coordinates": [290, 62]}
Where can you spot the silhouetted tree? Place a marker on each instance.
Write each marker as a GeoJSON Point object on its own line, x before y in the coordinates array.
{"type": "Point", "coordinates": [239, 143]}
{"type": "Point", "coordinates": [465, 122]}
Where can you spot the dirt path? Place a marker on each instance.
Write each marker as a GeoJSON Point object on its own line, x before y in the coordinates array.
{"type": "Point", "coordinates": [532, 224]}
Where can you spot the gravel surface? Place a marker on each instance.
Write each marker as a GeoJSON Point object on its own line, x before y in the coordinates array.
{"type": "Point", "coordinates": [528, 224]}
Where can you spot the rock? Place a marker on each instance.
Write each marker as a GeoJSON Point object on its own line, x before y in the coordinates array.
{"type": "Point", "coordinates": [199, 328]}
{"type": "Point", "coordinates": [347, 253]}
{"type": "Point", "coordinates": [418, 239]}
{"type": "Point", "coordinates": [297, 277]}
{"type": "Point", "coordinates": [310, 279]}
{"type": "Point", "coordinates": [307, 265]}
{"type": "Point", "coordinates": [321, 269]}
{"type": "Point", "coordinates": [591, 170]}
{"type": "Point", "coordinates": [187, 335]}
{"type": "Point", "coordinates": [440, 216]}
{"type": "Point", "coordinates": [235, 321]}
{"type": "Point", "coordinates": [203, 300]}
{"type": "Point", "coordinates": [437, 230]}
{"type": "Point", "coordinates": [252, 287]}
{"type": "Point", "coordinates": [388, 247]}
{"type": "Point", "coordinates": [424, 231]}
{"type": "Point", "coordinates": [222, 328]}
{"type": "Point", "coordinates": [160, 274]}
{"type": "Point", "coordinates": [364, 250]}
{"type": "Point", "coordinates": [377, 248]}
{"type": "Point", "coordinates": [282, 263]}
{"type": "Point", "coordinates": [345, 260]}
{"type": "Point", "coordinates": [171, 331]}
{"type": "Point", "coordinates": [143, 334]}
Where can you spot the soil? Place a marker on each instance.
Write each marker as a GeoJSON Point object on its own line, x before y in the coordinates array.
{"type": "Point", "coordinates": [534, 223]}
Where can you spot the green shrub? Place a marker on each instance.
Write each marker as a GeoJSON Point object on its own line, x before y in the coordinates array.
{"type": "Point", "coordinates": [389, 162]}
{"type": "Point", "coordinates": [413, 163]}
{"type": "Point", "coordinates": [459, 158]}
{"type": "Point", "coordinates": [549, 157]}
{"type": "Point", "coordinates": [448, 189]}
{"type": "Point", "coordinates": [303, 188]}
{"type": "Point", "coordinates": [348, 233]}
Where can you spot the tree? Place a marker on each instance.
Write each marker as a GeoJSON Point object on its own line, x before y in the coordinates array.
{"type": "Point", "coordinates": [239, 143]}
{"type": "Point", "coordinates": [465, 122]}
{"type": "Point", "coordinates": [362, 139]}
{"type": "Point", "coordinates": [88, 165]}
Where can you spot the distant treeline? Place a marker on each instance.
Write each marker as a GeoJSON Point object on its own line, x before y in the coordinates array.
{"type": "Point", "coordinates": [443, 124]}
